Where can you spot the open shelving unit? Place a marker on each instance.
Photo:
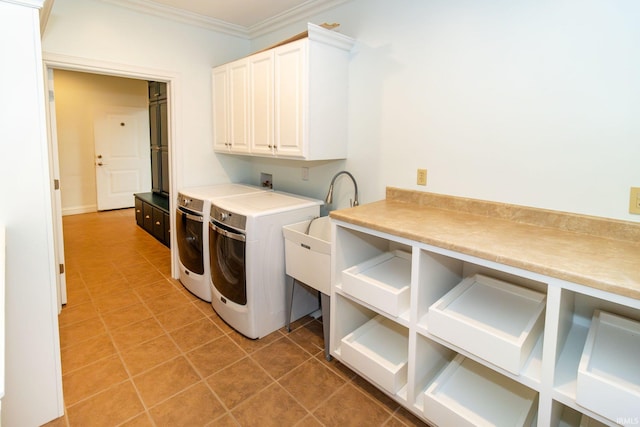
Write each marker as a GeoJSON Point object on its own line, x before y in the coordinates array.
{"type": "Point", "coordinates": [457, 328]}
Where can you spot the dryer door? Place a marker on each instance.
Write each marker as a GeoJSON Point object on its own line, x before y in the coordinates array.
{"type": "Point", "coordinates": [189, 238]}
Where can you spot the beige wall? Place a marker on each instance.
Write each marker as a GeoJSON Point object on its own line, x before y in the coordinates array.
{"type": "Point", "coordinates": [78, 97]}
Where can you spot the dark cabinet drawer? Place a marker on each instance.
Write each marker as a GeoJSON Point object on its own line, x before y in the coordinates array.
{"type": "Point", "coordinates": [158, 224]}
{"type": "Point", "coordinates": [147, 212]}
{"type": "Point", "coordinates": [139, 215]}
{"type": "Point", "coordinates": [167, 229]}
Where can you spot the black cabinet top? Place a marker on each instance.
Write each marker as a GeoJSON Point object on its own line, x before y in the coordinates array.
{"type": "Point", "coordinates": [157, 200]}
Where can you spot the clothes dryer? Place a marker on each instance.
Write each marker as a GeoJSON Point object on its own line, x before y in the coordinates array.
{"type": "Point", "coordinates": [246, 260]}
{"type": "Point", "coordinates": [192, 213]}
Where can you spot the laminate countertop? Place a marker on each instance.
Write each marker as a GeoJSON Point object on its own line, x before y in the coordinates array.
{"type": "Point", "coordinates": [597, 252]}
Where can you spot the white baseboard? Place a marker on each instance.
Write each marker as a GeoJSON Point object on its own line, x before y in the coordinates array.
{"type": "Point", "coordinates": [79, 210]}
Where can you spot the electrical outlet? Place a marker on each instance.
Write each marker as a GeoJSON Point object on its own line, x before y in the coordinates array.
{"type": "Point", "coordinates": [634, 200]}
{"type": "Point", "coordinates": [422, 177]}
{"type": "Point", "coordinates": [266, 180]}
{"type": "Point", "coordinates": [305, 174]}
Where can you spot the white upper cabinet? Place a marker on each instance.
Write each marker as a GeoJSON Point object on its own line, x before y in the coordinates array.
{"type": "Point", "coordinates": [261, 103]}
{"type": "Point", "coordinates": [294, 104]}
{"type": "Point", "coordinates": [231, 107]}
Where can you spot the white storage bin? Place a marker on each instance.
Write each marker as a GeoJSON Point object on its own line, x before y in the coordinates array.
{"type": "Point", "coordinates": [609, 371]}
{"type": "Point", "coordinates": [379, 350]}
{"type": "Point", "coordinates": [383, 281]}
{"type": "Point", "coordinates": [469, 394]}
{"type": "Point", "coordinates": [307, 249]}
{"type": "Point", "coordinates": [495, 320]}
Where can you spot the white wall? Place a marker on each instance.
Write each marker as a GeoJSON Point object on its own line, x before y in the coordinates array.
{"type": "Point", "coordinates": [33, 375]}
{"type": "Point", "coordinates": [527, 102]}
{"type": "Point", "coordinates": [95, 30]}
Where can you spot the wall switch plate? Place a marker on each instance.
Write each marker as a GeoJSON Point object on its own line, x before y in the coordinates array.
{"type": "Point", "coordinates": [422, 177]}
{"type": "Point", "coordinates": [634, 200]}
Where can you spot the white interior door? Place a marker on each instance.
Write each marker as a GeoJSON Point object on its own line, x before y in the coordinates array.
{"type": "Point", "coordinates": [61, 280]}
{"type": "Point", "coordinates": [122, 157]}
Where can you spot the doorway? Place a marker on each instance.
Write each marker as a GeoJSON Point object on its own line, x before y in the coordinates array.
{"type": "Point", "coordinates": [102, 129]}
{"type": "Point", "coordinates": [54, 62]}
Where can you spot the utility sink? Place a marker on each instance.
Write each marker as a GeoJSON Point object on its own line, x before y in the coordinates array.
{"type": "Point", "coordinates": [307, 248]}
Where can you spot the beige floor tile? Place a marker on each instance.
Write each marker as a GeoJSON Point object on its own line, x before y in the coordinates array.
{"type": "Point", "coordinates": [280, 357]}
{"type": "Point", "coordinates": [77, 313]}
{"type": "Point", "coordinates": [216, 355]}
{"type": "Point", "coordinates": [195, 406]}
{"type": "Point", "coordinates": [311, 383]}
{"type": "Point", "coordinates": [142, 420]}
{"type": "Point", "coordinates": [150, 274]}
{"type": "Point", "coordinates": [116, 300]}
{"type": "Point", "coordinates": [165, 302]}
{"type": "Point", "coordinates": [238, 382]}
{"type": "Point", "coordinates": [350, 407]}
{"type": "Point", "coordinates": [149, 354]}
{"type": "Point", "coordinates": [86, 352]}
{"type": "Point", "coordinates": [109, 408]}
{"type": "Point", "coordinates": [250, 345]}
{"type": "Point", "coordinates": [118, 318]}
{"type": "Point", "coordinates": [273, 406]}
{"type": "Point", "coordinates": [196, 334]}
{"type": "Point", "coordinates": [81, 331]}
{"type": "Point", "coordinates": [183, 315]}
{"type": "Point", "coordinates": [92, 379]}
{"type": "Point", "coordinates": [152, 290]}
{"type": "Point", "coordinates": [165, 380]}
{"type": "Point", "coordinates": [136, 333]}
{"type": "Point", "coordinates": [309, 336]}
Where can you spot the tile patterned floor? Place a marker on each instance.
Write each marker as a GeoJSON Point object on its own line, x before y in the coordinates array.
{"type": "Point", "coordinates": [139, 350]}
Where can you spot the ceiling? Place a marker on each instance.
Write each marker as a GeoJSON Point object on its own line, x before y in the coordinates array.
{"type": "Point", "coordinates": [244, 18]}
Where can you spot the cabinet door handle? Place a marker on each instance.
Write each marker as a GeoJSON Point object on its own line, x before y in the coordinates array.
{"type": "Point", "coordinates": [157, 222]}
{"type": "Point", "coordinates": [147, 216]}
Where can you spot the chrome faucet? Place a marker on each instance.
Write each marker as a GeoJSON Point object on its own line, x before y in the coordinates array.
{"type": "Point", "coordinates": [329, 199]}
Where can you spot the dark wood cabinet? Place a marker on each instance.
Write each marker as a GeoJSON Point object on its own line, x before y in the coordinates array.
{"type": "Point", "coordinates": [158, 134]}
{"type": "Point", "coordinates": [152, 214]}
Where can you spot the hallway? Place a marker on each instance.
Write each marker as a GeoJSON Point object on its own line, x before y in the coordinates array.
{"type": "Point", "coordinates": [139, 350]}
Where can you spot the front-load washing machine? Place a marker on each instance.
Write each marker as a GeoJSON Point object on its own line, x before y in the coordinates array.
{"type": "Point", "coordinates": [246, 257]}
{"type": "Point", "coordinates": [192, 214]}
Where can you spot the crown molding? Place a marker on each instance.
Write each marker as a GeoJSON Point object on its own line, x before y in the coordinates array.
{"type": "Point", "coordinates": [28, 3]}
{"type": "Point", "coordinates": [180, 15]}
{"type": "Point", "coordinates": [301, 12]}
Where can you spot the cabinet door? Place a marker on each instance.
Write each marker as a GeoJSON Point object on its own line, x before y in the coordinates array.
{"type": "Point", "coordinates": [290, 94]}
{"type": "Point", "coordinates": [261, 102]}
{"type": "Point", "coordinates": [163, 139]}
{"type": "Point", "coordinates": [220, 109]}
{"type": "Point", "coordinates": [156, 170]}
{"type": "Point", "coordinates": [164, 175]}
{"type": "Point", "coordinates": [239, 106]}
{"type": "Point", "coordinates": [158, 224]}
{"type": "Point", "coordinates": [147, 213]}
{"type": "Point", "coordinates": [167, 229]}
{"type": "Point", "coordinates": [139, 215]}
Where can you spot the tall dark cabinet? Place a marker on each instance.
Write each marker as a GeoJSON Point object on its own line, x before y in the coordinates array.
{"type": "Point", "coordinates": [158, 130]}
{"type": "Point", "coordinates": [152, 209]}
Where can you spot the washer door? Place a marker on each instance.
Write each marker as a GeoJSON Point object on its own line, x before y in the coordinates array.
{"type": "Point", "coordinates": [189, 238]}
{"type": "Point", "coordinates": [227, 262]}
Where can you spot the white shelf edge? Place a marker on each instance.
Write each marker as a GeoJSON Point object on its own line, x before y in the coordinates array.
{"type": "Point", "coordinates": [403, 319]}
{"type": "Point", "coordinates": [525, 378]}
